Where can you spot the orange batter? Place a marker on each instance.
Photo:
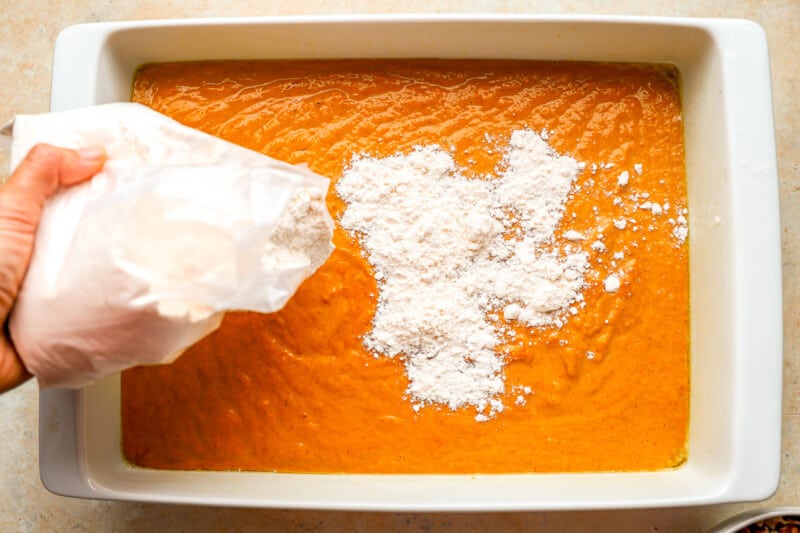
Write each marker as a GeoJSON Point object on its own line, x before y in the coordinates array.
{"type": "Point", "coordinates": [296, 391]}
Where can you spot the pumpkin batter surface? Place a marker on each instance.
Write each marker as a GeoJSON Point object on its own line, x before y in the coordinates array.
{"type": "Point", "coordinates": [296, 391]}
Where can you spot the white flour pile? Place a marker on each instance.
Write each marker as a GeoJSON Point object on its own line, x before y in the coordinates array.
{"type": "Point", "coordinates": [451, 253]}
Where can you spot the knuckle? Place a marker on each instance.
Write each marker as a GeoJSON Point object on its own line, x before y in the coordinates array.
{"type": "Point", "coordinates": [7, 295]}
{"type": "Point", "coordinates": [9, 285]}
{"type": "Point", "coordinates": [43, 155]}
{"type": "Point", "coordinates": [18, 215]}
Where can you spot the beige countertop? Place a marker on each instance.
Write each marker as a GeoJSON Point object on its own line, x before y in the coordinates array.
{"type": "Point", "coordinates": [27, 35]}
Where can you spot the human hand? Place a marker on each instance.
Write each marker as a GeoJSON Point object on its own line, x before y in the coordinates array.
{"type": "Point", "coordinates": [22, 198]}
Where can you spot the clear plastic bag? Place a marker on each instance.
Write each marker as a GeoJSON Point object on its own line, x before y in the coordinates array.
{"type": "Point", "coordinates": [139, 263]}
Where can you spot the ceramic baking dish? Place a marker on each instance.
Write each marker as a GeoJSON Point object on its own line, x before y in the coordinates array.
{"type": "Point", "coordinates": [736, 330]}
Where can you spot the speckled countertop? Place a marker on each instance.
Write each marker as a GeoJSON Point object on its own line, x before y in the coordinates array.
{"type": "Point", "coordinates": [27, 34]}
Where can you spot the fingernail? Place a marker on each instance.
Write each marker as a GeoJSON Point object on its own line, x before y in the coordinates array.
{"type": "Point", "coordinates": [92, 153]}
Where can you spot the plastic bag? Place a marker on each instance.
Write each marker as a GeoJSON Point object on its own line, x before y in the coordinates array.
{"type": "Point", "coordinates": [142, 261]}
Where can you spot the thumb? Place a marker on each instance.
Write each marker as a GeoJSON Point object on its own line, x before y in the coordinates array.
{"type": "Point", "coordinates": [39, 175]}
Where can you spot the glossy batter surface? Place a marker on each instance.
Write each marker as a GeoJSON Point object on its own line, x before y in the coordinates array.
{"type": "Point", "coordinates": [296, 391]}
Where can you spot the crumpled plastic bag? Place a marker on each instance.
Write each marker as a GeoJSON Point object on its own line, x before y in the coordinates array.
{"type": "Point", "coordinates": [142, 261]}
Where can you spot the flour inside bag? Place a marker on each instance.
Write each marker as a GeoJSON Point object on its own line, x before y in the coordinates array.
{"type": "Point", "coordinates": [142, 261]}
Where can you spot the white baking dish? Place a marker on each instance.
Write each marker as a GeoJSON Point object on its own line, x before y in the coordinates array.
{"type": "Point", "coordinates": [736, 330]}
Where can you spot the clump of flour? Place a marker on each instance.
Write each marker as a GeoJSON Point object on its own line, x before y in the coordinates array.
{"type": "Point", "coordinates": [302, 236]}
{"type": "Point", "coordinates": [451, 253]}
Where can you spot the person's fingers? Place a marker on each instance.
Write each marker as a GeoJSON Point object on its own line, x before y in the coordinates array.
{"type": "Point", "coordinates": [12, 371]}
{"type": "Point", "coordinates": [22, 199]}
